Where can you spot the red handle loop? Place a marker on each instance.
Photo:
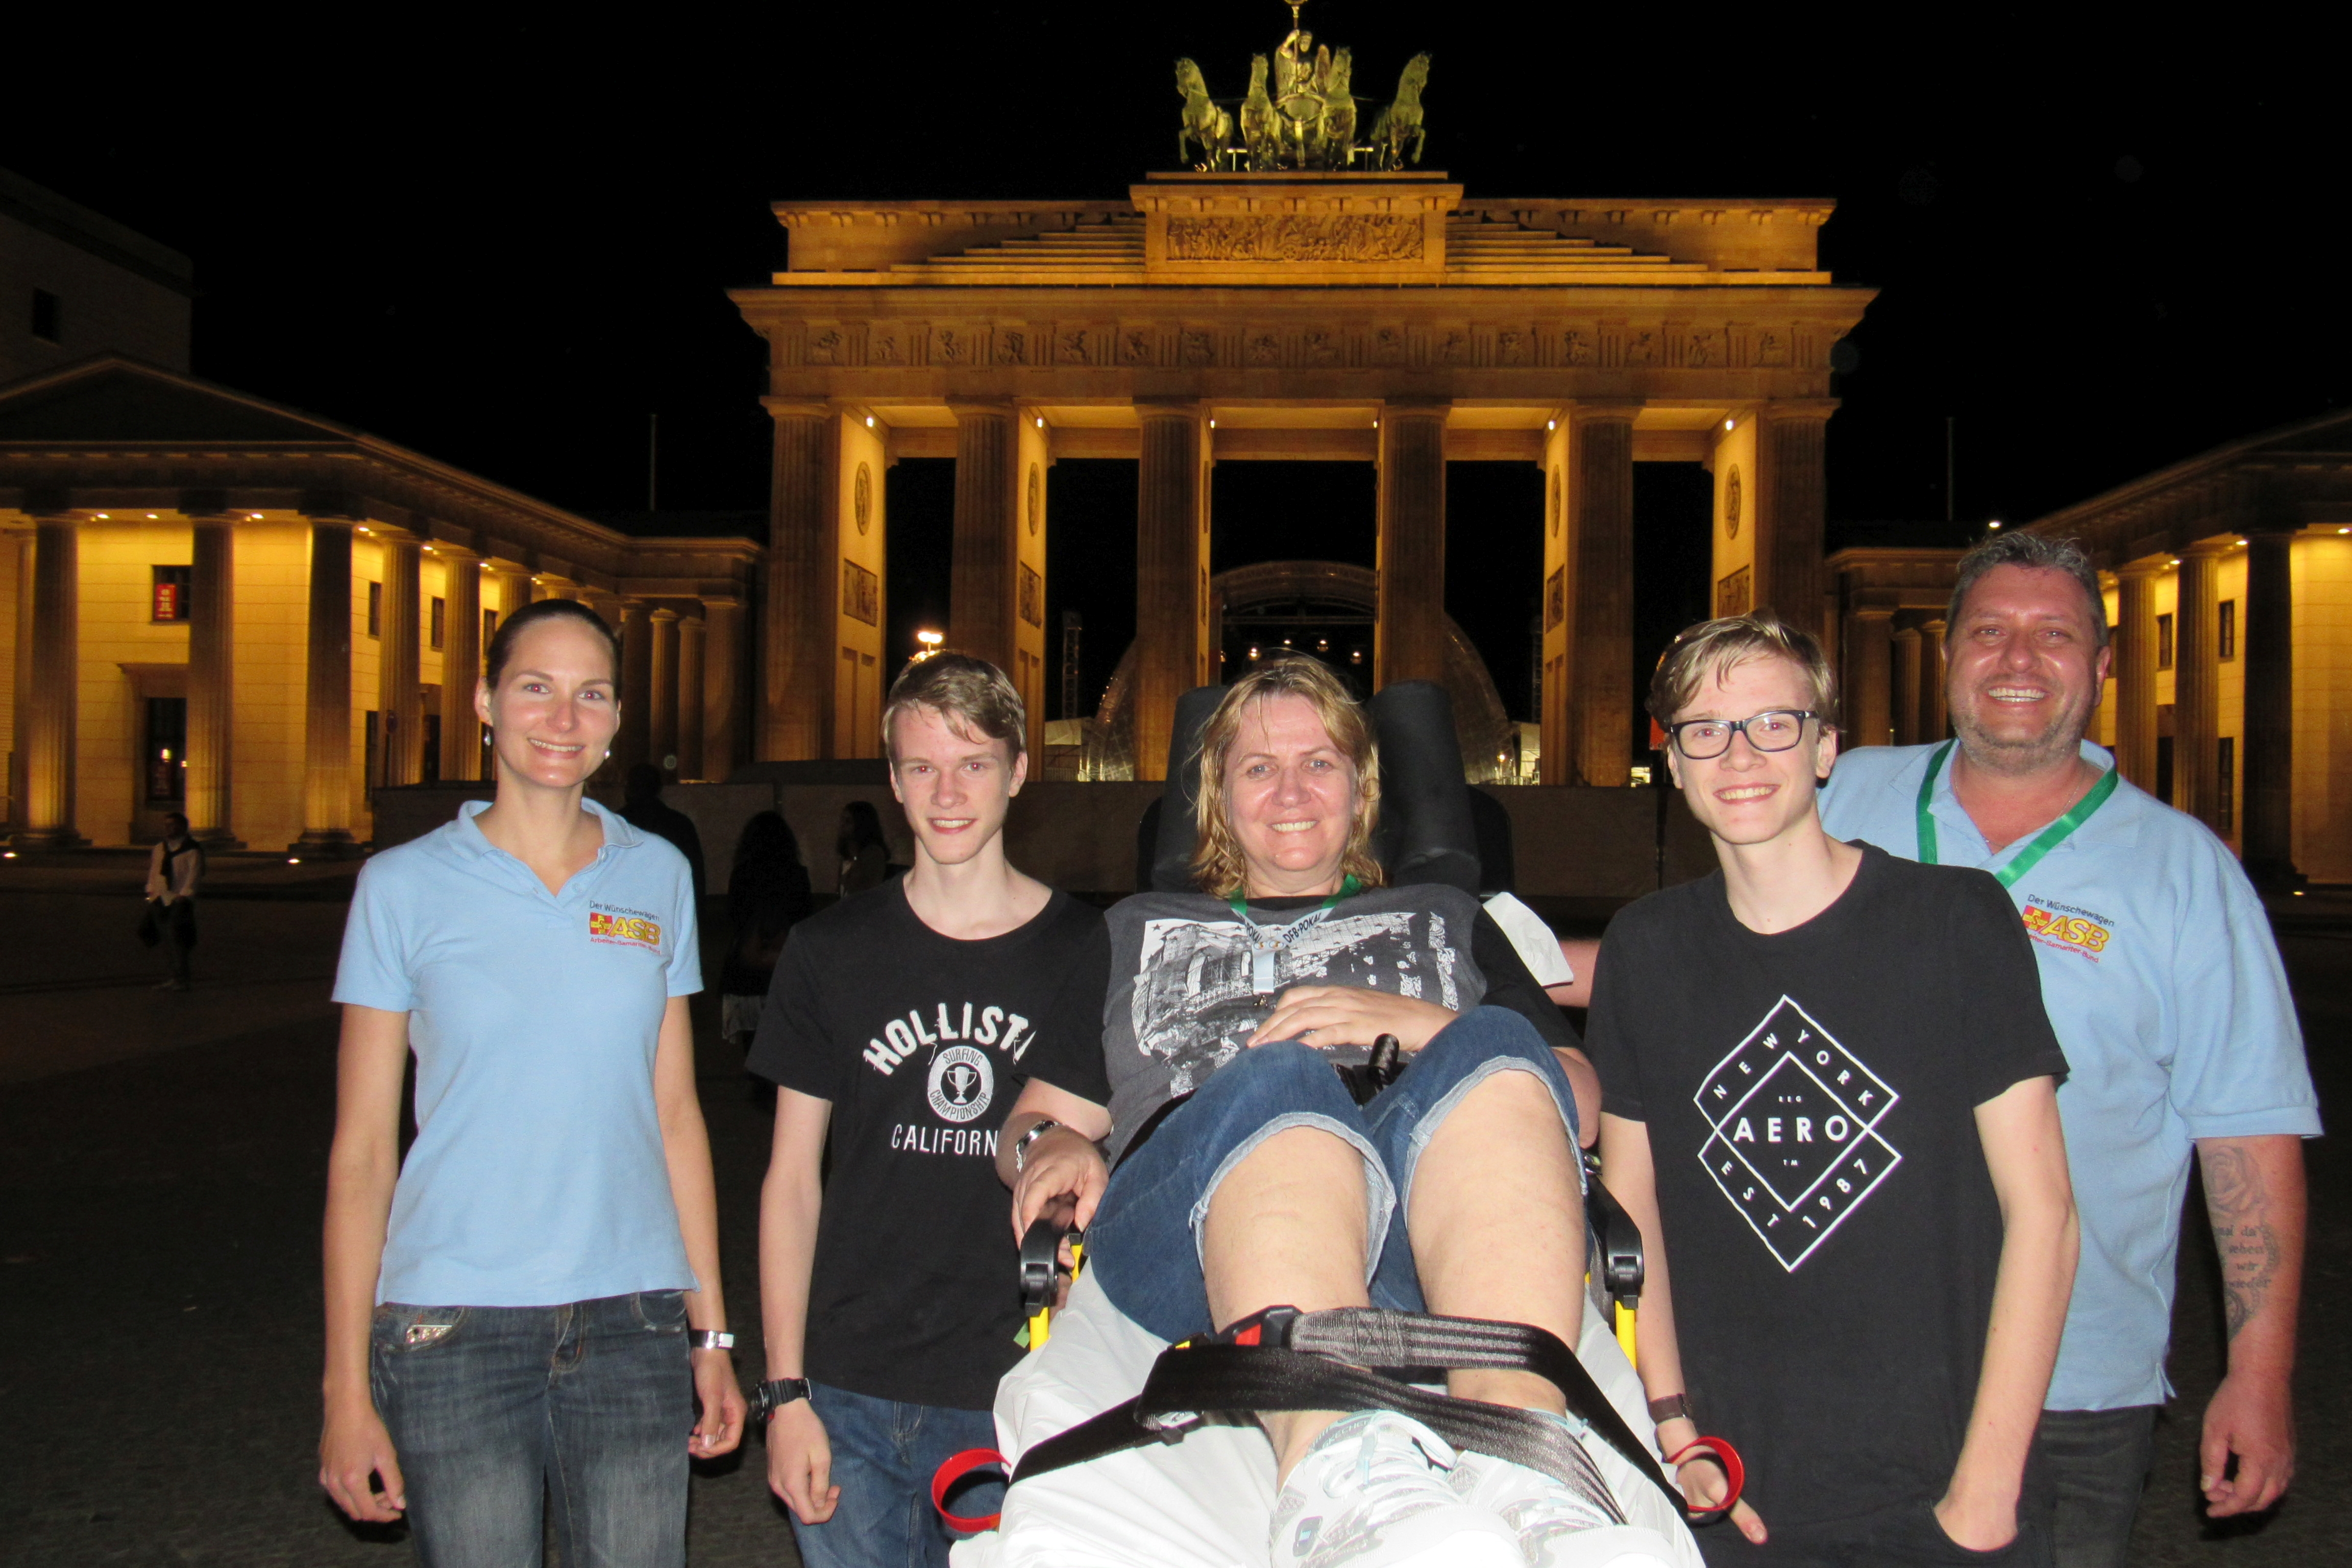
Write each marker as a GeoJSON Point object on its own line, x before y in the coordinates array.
{"type": "Point", "coordinates": [1734, 1471]}
{"type": "Point", "coordinates": [953, 1468]}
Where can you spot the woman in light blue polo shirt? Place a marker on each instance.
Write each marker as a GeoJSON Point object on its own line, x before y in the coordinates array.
{"type": "Point", "coordinates": [509, 1322]}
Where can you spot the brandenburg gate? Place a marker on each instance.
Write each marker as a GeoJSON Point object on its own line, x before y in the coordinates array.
{"type": "Point", "coordinates": [1227, 316]}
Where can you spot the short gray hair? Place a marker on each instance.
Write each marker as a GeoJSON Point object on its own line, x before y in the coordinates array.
{"type": "Point", "coordinates": [2036, 552]}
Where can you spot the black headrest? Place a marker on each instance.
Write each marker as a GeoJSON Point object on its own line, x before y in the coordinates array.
{"type": "Point", "coordinates": [1433, 827]}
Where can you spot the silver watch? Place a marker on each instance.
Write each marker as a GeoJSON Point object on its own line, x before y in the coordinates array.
{"type": "Point", "coordinates": [710, 1340]}
{"type": "Point", "coordinates": [1021, 1145]}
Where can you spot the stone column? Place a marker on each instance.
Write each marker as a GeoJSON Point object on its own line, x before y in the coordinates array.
{"type": "Point", "coordinates": [722, 660]}
{"type": "Point", "coordinates": [1870, 657]}
{"type": "Point", "coordinates": [661, 693]}
{"type": "Point", "coordinates": [212, 663]}
{"type": "Point", "coordinates": [21, 704]}
{"type": "Point", "coordinates": [1906, 687]}
{"type": "Point", "coordinates": [399, 696]}
{"type": "Point", "coordinates": [2136, 671]}
{"type": "Point", "coordinates": [1791, 509]}
{"type": "Point", "coordinates": [327, 713]}
{"type": "Point", "coordinates": [1601, 568]}
{"type": "Point", "coordinates": [2267, 633]}
{"type": "Point", "coordinates": [1409, 643]}
{"type": "Point", "coordinates": [982, 604]}
{"type": "Point", "coordinates": [514, 593]}
{"type": "Point", "coordinates": [1169, 510]}
{"type": "Point", "coordinates": [46, 725]}
{"type": "Point", "coordinates": [2197, 682]}
{"type": "Point", "coordinates": [1933, 719]}
{"type": "Point", "coordinates": [803, 588]}
{"type": "Point", "coordinates": [635, 743]}
{"type": "Point", "coordinates": [686, 695]}
{"type": "Point", "coordinates": [461, 662]}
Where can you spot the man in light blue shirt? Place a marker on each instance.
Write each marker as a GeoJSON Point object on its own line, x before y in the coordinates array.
{"type": "Point", "coordinates": [2164, 985]}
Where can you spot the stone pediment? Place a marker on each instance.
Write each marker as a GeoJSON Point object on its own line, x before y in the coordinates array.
{"type": "Point", "coordinates": [114, 400]}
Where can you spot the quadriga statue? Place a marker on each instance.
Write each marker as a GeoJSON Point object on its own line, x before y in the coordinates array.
{"type": "Point", "coordinates": [1398, 134]}
{"type": "Point", "coordinates": [1205, 125]}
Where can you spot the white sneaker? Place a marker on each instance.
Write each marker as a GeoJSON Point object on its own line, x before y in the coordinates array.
{"type": "Point", "coordinates": [1373, 1492]}
{"type": "Point", "coordinates": [1558, 1525]}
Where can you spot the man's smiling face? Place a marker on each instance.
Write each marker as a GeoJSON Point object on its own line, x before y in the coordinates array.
{"type": "Point", "coordinates": [2026, 665]}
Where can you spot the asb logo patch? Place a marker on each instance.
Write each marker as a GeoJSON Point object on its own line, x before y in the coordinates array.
{"type": "Point", "coordinates": [1796, 1145]}
{"type": "Point", "coordinates": [626, 927]}
{"type": "Point", "coordinates": [2067, 928]}
{"type": "Point", "coordinates": [962, 1082]}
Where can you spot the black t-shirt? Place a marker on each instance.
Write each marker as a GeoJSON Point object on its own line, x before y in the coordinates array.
{"type": "Point", "coordinates": [921, 1043]}
{"type": "Point", "coordinates": [1829, 1223]}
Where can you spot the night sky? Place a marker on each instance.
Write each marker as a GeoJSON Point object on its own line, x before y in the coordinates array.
{"type": "Point", "coordinates": [506, 242]}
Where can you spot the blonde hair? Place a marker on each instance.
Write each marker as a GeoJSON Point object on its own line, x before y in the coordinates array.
{"type": "Point", "coordinates": [971, 693]}
{"type": "Point", "coordinates": [1712, 648]}
{"type": "Point", "coordinates": [1218, 867]}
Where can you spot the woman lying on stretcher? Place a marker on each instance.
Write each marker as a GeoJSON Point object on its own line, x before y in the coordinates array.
{"type": "Point", "coordinates": [1248, 1177]}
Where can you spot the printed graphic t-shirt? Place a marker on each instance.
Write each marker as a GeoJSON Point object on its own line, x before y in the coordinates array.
{"type": "Point", "coordinates": [1832, 1227]}
{"type": "Point", "coordinates": [921, 1043]}
{"type": "Point", "coordinates": [1187, 999]}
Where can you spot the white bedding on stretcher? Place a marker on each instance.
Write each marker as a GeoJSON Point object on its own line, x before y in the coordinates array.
{"type": "Point", "coordinates": [1206, 1501]}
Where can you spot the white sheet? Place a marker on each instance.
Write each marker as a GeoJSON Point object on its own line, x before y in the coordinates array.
{"type": "Point", "coordinates": [1205, 1502]}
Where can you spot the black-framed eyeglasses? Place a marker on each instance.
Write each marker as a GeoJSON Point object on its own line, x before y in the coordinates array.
{"type": "Point", "coordinates": [1775, 729]}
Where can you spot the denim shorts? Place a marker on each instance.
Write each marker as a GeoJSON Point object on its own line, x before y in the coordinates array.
{"type": "Point", "coordinates": [1145, 1241]}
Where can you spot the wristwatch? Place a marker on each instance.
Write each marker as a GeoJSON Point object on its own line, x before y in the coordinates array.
{"type": "Point", "coordinates": [1035, 1130]}
{"type": "Point", "coordinates": [1666, 1407]}
{"type": "Point", "coordinates": [710, 1340]}
{"type": "Point", "coordinates": [775, 1394]}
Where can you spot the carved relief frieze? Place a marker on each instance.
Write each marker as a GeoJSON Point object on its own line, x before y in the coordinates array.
{"type": "Point", "coordinates": [1012, 346]}
{"type": "Point", "coordinates": [1577, 347]}
{"type": "Point", "coordinates": [1136, 346]}
{"type": "Point", "coordinates": [1390, 346]}
{"type": "Point", "coordinates": [1332, 237]}
{"type": "Point", "coordinates": [1513, 346]}
{"type": "Point", "coordinates": [960, 345]}
{"type": "Point", "coordinates": [1323, 346]}
{"type": "Point", "coordinates": [886, 344]}
{"type": "Point", "coordinates": [1703, 349]}
{"type": "Point", "coordinates": [1638, 348]}
{"type": "Point", "coordinates": [1071, 346]}
{"type": "Point", "coordinates": [1197, 347]}
{"type": "Point", "coordinates": [1453, 347]}
{"type": "Point", "coordinates": [1772, 349]}
{"type": "Point", "coordinates": [826, 345]}
{"type": "Point", "coordinates": [1261, 346]}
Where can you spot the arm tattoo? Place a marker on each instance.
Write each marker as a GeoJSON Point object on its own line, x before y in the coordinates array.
{"type": "Point", "coordinates": [2238, 1203]}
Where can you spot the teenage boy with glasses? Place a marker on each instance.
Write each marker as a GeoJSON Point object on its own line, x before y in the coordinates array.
{"type": "Point", "coordinates": [1829, 1099]}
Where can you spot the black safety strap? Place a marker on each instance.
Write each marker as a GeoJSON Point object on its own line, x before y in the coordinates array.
{"type": "Point", "coordinates": [1324, 1360]}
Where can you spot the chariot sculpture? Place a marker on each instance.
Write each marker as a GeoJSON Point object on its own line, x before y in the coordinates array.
{"type": "Point", "coordinates": [1300, 112]}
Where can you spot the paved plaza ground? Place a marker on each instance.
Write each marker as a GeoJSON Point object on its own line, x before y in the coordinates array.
{"type": "Point", "coordinates": [162, 1167]}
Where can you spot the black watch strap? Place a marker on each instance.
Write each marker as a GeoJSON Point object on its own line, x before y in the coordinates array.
{"type": "Point", "coordinates": [778, 1391]}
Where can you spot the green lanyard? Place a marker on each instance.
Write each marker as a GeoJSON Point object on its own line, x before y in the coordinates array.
{"type": "Point", "coordinates": [1266, 945]}
{"type": "Point", "coordinates": [2030, 855]}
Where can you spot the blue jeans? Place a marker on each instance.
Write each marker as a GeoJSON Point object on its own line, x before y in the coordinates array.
{"type": "Point", "coordinates": [884, 1453]}
{"type": "Point", "coordinates": [1145, 1242]}
{"type": "Point", "coordinates": [508, 1420]}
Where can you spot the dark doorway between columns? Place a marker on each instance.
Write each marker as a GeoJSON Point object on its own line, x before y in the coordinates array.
{"type": "Point", "coordinates": [1090, 568]}
{"type": "Point", "coordinates": [1494, 572]}
{"type": "Point", "coordinates": [1262, 511]}
{"type": "Point", "coordinates": [919, 514]}
{"type": "Point", "coordinates": [1673, 565]}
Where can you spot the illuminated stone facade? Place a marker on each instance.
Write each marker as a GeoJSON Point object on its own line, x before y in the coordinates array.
{"type": "Point", "coordinates": [1219, 317]}
{"type": "Point", "coordinates": [214, 604]}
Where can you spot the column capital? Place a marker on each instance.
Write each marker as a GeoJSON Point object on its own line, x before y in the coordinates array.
{"type": "Point", "coordinates": [783, 408]}
{"type": "Point", "coordinates": [1872, 611]}
{"type": "Point", "coordinates": [2217, 546]}
{"type": "Point", "coordinates": [721, 601]}
{"type": "Point", "coordinates": [1603, 413]}
{"type": "Point", "coordinates": [456, 554]}
{"type": "Point", "coordinates": [390, 533]}
{"type": "Point", "coordinates": [2145, 567]}
{"type": "Point", "coordinates": [1910, 633]}
{"type": "Point", "coordinates": [965, 408]}
{"type": "Point", "coordinates": [664, 612]}
{"type": "Point", "coordinates": [1169, 407]}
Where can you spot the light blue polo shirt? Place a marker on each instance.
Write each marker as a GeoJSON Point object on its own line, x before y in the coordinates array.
{"type": "Point", "coordinates": [2163, 983]}
{"type": "Point", "coordinates": [537, 1177]}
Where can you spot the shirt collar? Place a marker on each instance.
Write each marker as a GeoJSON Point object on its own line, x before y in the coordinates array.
{"type": "Point", "coordinates": [2108, 824]}
{"type": "Point", "coordinates": [618, 833]}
